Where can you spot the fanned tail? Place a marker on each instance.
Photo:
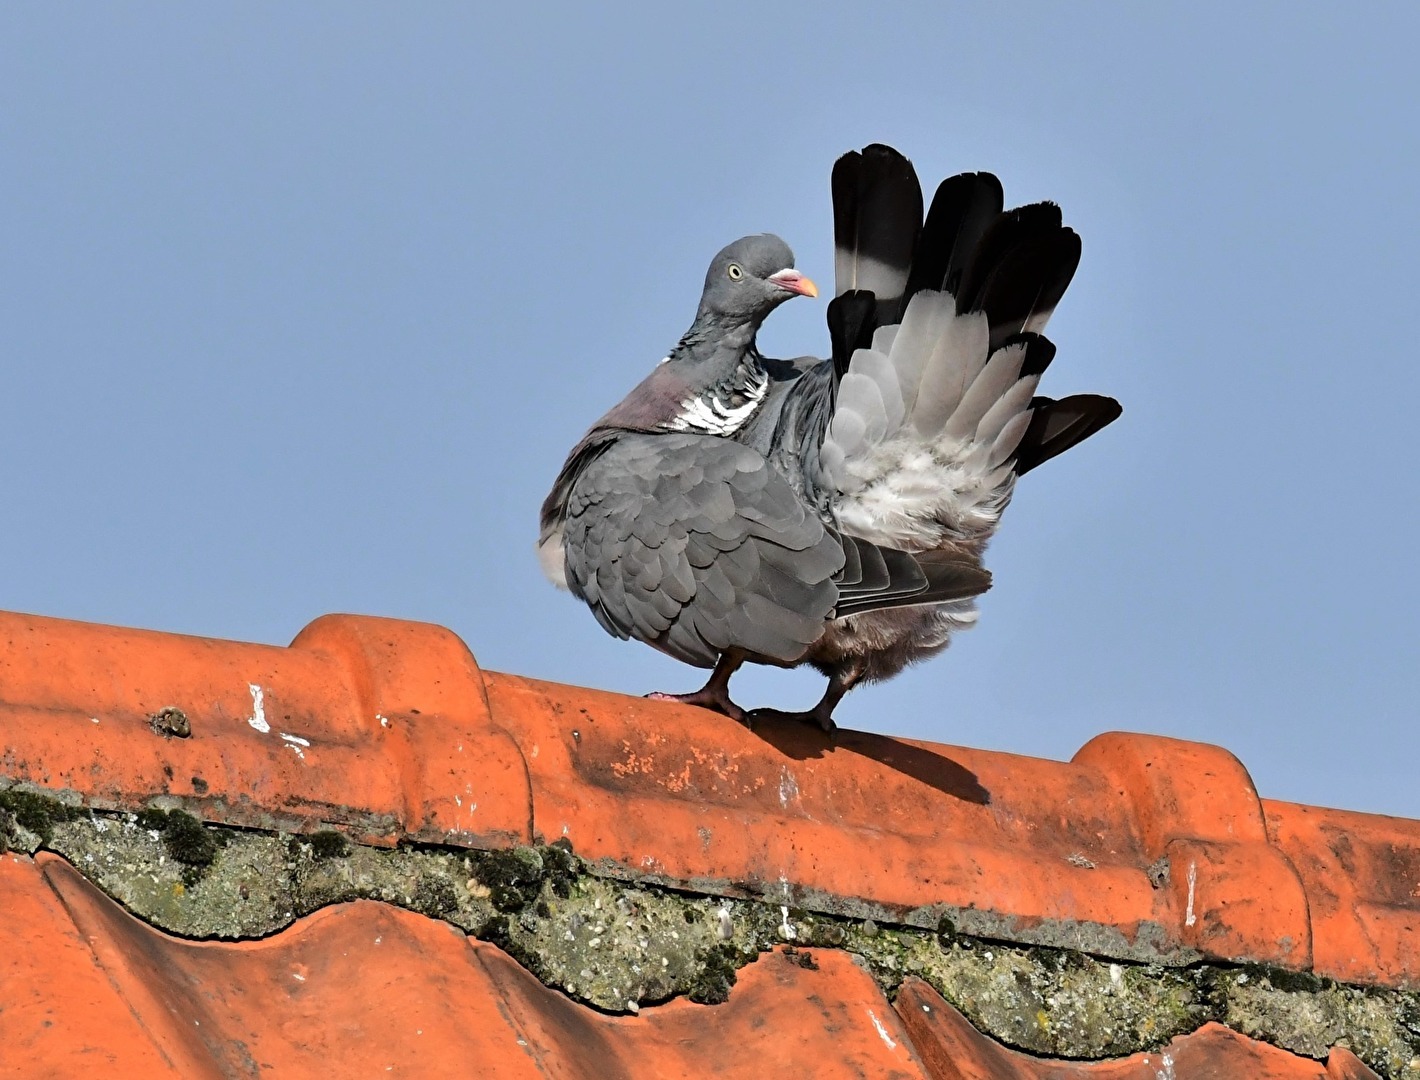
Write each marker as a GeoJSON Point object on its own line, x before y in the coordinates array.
{"type": "Point", "coordinates": [936, 411]}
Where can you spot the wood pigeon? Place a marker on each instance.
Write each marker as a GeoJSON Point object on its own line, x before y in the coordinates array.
{"type": "Point", "coordinates": [833, 511]}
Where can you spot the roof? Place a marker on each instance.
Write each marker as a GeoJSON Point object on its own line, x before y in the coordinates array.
{"type": "Point", "coordinates": [364, 848]}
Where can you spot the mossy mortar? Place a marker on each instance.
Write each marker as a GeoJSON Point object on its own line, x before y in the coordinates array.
{"type": "Point", "coordinates": [618, 945]}
{"type": "Point", "coordinates": [33, 813]}
{"type": "Point", "coordinates": [329, 844]}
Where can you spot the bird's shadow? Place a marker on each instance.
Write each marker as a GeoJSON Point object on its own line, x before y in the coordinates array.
{"type": "Point", "coordinates": [936, 770]}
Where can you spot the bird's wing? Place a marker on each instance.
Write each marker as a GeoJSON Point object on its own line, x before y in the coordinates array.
{"type": "Point", "coordinates": [936, 415]}
{"type": "Point", "coordinates": [875, 577]}
{"type": "Point", "coordinates": [695, 545]}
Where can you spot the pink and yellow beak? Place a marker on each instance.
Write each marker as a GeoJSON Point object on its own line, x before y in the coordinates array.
{"type": "Point", "coordinates": [794, 282]}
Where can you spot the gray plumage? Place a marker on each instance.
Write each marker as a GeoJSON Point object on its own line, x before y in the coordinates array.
{"type": "Point", "coordinates": [834, 511]}
{"type": "Point", "coordinates": [672, 532]}
{"type": "Point", "coordinates": [692, 543]}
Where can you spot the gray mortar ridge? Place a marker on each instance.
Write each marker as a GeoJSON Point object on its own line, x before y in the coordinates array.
{"type": "Point", "coordinates": [619, 944]}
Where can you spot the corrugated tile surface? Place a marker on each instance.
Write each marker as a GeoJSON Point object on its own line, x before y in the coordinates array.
{"type": "Point", "coordinates": [1142, 847]}
{"type": "Point", "coordinates": [365, 990]}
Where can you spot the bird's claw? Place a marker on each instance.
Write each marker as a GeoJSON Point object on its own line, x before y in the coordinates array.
{"type": "Point", "coordinates": [707, 699]}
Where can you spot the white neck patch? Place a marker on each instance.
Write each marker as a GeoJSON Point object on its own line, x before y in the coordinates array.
{"type": "Point", "coordinates": [712, 414]}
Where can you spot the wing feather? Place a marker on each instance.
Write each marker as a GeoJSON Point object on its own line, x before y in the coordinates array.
{"type": "Point", "coordinates": [695, 545]}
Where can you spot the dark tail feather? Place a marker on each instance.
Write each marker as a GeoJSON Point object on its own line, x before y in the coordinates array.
{"type": "Point", "coordinates": [877, 214]}
{"type": "Point", "coordinates": [1009, 230]}
{"type": "Point", "coordinates": [1055, 426]}
{"type": "Point", "coordinates": [1022, 291]}
{"type": "Point", "coordinates": [850, 326]}
{"type": "Point", "coordinates": [962, 210]}
{"type": "Point", "coordinates": [1021, 269]}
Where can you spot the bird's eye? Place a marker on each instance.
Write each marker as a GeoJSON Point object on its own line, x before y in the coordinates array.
{"type": "Point", "coordinates": [735, 272]}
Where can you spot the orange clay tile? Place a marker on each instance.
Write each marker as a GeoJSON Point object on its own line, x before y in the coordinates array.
{"type": "Point", "coordinates": [377, 726]}
{"type": "Point", "coordinates": [1361, 874]}
{"type": "Point", "coordinates": [1141, 847]}
{"type": "Point", "coordinates": [365, 990]}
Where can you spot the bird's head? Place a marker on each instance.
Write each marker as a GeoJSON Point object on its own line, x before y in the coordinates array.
{"type": "Point", "coordinates": [750, 278]}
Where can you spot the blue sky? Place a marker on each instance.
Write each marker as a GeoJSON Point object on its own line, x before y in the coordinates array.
{"type": "Point", "coordinates": [302, 305]}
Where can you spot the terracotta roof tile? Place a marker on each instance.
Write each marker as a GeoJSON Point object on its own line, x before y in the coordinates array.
{"type": "Point", "coordinates": [430, 1003]}
{"type": "Point", "coordinates": [1361, 875]}
{"type": "Point", "coordinates": [1140, 848]}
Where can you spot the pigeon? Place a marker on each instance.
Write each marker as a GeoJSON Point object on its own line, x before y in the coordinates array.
{"type": "Point", "coordinates": [735, 508]}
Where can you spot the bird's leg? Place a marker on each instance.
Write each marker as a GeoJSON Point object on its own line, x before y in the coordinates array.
{"type": "Point", "coordinates": [840, 682]}
{"type": "Point", "coordinates": [715, 694]}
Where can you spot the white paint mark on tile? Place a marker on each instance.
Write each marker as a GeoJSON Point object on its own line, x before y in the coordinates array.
{"type": "Point", "coordinates": [788, 786]}
{"type": "Point", "coordinates": [93, 719]}
{"type": "Point", "coordinates": [298, 976]}
{"type": "Point", "coordinates": [384, 720]}
{"type": "Point", "coordinates": [296, 743]}
{"type": "Point", "coordinates": [257, 719]}
{"type": "Point", "coordinates": [882, 1031]}
{"type": "Point", "coordinates": [1189, 917]}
